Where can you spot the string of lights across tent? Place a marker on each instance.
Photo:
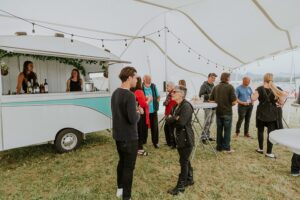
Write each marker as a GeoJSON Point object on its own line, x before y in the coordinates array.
{"type": "Point", "coordinates": [124, 39]}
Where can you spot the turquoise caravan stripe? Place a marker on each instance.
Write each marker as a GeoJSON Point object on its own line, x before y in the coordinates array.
{"type": "Point", "coordinates": [100, 104]}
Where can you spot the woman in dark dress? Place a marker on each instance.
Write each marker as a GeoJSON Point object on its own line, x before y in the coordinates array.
{"type": "Point", "coordinates": [181, 119]}
{"type": "Point", "coordinates": [74, 84]}
{"type": "Point", "coordinates": [27, 75]}
{"type": "Point", "coordinates": [269, 112]}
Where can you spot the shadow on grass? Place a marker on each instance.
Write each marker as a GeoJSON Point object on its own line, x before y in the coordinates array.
{"type": "Point", "coordinates": [27, 154]}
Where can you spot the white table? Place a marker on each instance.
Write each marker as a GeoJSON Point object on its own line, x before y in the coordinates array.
{"type": "Point", "coordinates": [289, 138]}
{"type": "Point", "coordinates": [197, 108]}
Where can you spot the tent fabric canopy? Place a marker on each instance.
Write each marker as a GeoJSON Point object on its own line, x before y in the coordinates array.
{"type": "Point", "coordinates": [231, 33]}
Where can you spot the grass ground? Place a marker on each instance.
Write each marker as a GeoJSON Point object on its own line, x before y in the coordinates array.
{"type": "Point", "coordinates": [90, 172]}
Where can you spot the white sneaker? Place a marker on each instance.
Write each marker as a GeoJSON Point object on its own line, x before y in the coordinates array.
{"type": "Point", "coordinates": [260, 151]}
{"type": "Point", "coordinates": [270, 155]}
{"type": "Point", "coordinates": [229, 151]}
{"type": "Point", "coordinates": [119, 193]}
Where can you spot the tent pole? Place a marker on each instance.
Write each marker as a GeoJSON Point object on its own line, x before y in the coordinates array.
{"type": "Point", "coordinates": [166, 48]}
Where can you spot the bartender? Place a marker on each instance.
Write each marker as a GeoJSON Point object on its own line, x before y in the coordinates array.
{"type": "Point", "coordinates": [25, 77]}
{"type": "Point", "coordinates": [74, 84]}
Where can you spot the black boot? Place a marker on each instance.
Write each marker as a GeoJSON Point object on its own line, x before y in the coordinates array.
{"type": "Point", "coordinates": [190, 178]}
{"type": "Point", "coordinates": [180, 187]}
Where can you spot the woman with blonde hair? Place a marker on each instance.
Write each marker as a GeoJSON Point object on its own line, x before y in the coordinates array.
{"type": "Point", "coordinates": [268, 113]}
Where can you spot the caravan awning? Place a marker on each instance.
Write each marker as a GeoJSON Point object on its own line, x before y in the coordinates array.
{"type": "Point", "coordinates": [56, 47]}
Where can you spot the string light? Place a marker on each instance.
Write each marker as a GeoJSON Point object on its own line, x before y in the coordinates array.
{"type": "Point", "coordinates": [33, 30]}
{"type": "Point", "coordinates": [179, 41]}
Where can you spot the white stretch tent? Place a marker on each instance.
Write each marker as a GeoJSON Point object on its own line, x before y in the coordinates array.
{"type": "Point", "coordinates": [232, 33]}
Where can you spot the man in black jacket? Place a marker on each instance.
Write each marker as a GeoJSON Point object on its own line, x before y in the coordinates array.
{"type": "Point", "coordinates": [210, 113]}
{"type": "Point", "coordinates": [181, 119]}
{"type": "Point", "coordinates": [125, 116]}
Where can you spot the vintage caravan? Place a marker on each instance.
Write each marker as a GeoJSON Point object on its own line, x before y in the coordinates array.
{"type": "Point", "coordinates": [60, 117]}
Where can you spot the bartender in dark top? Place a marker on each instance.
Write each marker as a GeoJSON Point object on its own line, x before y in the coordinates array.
{"type": "Point", "coordinates": [26, 76]}
{"type": "Point", "coordinates": [74, 84]}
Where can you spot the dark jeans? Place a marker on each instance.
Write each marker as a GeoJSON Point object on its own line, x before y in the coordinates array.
{"type": "Point", "coordinates": [169, 133]}
{"type": "Point", "coordinates": [142, 131]}
{"type": "Point", "coordinates": [244, 113]}
{"type": "Point", "coordinates": [127, 151]}
{"type": "Point", "coordinates": [295, 167]}
{"type": "Point", "coordinates": [186, 171]}
{"type": "Point", "coordinates": [271, 126]}
{"type": "Point", "coordinates": [154, 129]}
{"type": "Point", "coordinates": [224, 132]}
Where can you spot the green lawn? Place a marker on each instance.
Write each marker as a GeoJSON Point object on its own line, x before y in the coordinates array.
{"type": "Point", "coordinates": [90, 172]}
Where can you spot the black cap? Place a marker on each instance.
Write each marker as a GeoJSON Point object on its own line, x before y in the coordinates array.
{"type": "Point", "coordinates": [212, 74]}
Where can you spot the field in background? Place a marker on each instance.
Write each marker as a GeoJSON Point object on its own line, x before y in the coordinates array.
{"type": "Point", "coordinates": [90, 172]}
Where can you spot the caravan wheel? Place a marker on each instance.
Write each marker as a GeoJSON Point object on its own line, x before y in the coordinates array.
{"type": "Point", "coordinates": [68, 140]}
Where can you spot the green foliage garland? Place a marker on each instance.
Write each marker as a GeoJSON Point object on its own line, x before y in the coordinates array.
{"type": "Point", "coordinates": [77, 63]}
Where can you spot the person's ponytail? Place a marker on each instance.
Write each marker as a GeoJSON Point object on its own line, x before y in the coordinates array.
{"type": "Point", "coordinates": [278, 93]}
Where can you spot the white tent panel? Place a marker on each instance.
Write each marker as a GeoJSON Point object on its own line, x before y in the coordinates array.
{"type": "Point", "coordinates": [233, 31]}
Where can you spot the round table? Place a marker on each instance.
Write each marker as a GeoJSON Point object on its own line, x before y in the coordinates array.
{"type": "Point", "coordinates": [203, 105]}
{"type": "Point", "coordinates": [289, 138]}
{"type": "Point", "coordinates": [197, 107]}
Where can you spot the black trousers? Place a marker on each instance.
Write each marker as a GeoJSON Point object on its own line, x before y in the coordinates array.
{"type": "Point", "coordinates": [244, 114]}
{"type": "Point", "coordinates": [142, 131]}
{"type": "Point", "coordinates": [186, 171]}
{"type": "Point", "coordinates": [127, 151]}
{"type": "Point", "coordinates": [154, 129]}
{"type": "Point", "coordinates": [295, 167]}
{"type": "Point", "coordinates": [169, 133]}
{"type": "Point", "coordinates": [271, 126]}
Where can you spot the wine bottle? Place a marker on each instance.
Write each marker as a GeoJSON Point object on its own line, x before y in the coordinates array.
{"type": "Point", "coordinates": [37, 88]}
{"type": "Point", "coordinates": [46, 86]}
{"type": "Point", "coordinates": [29, 87]}
{"type": "Point", "coordinates": [42, 88]}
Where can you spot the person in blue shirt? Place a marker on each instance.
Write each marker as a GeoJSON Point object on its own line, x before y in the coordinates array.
{"type": "Point", "coordinates": [245, 106]}
{"type": "Point", "coordinates": [152, 93]}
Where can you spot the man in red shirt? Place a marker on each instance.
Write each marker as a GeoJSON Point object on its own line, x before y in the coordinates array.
{"type": "Point", "coordinates": [169, 104]}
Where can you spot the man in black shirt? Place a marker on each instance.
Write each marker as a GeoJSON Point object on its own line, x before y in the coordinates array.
{"type": "Point", "coordinates": [125, 116]}
{"type": "Point", "coordinates": [204, 93]}
{"type": "Point", "coordinates": [224, 95]}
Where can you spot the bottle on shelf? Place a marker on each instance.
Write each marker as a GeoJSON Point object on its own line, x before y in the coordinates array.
{"type": "Point", "coordinates": [42, 88]}
{"type": "Point", "coordinates": [36, 88]}
{"type": "Point", "coordinates": [29, 87]}
{"type": "Point", "coordinates": [46, 86]}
